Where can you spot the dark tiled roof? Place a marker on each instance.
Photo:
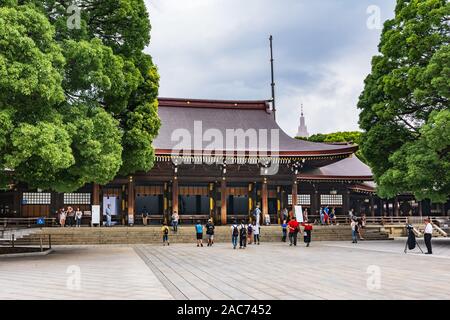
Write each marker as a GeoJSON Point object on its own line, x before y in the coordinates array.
{"type": "Point", "coordinates": [350, 168]}
{"type": "Point", "coordinates": [222, 115]}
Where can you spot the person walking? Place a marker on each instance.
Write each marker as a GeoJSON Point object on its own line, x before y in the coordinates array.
{"type": "Point", "coordinates": [242, 235]}
{"type": "Point", "coordinates": [305, 215]}
{"type": "Point", "coordinates": [165, 234]}
{"type": "Point", "coordinates": [354, 226]}
{"type": "Point", "coordinates": [428, 234]}
{"type": "Point", "coordinates": [234, 234]}
{"type": "Point", "coordinates": [321, 216]}
{"type": "Point", "coordinates": [250, 233]}
{"type": "Point", "coordinates": [210, 232]}
{"type": "Point", "coordinates": [307, 233]}
{"type": "Point", "coordinates": [284, 231]}
{"type": "Point", "coordinates": [108, 215]}
{"type": "Point", "coordinates": [267, 219]}
{"type": "Point", "coordinates": [256, 231]}
{"type": "Point", "coordinates": [294, 229]}
{"type": "Point", "coordinates": [199, 232]}
{"type": "Point", "coordinates": [62, 217]}
{"type": "Point", "coordinates": [332, 216]}
{"type": "Point", "coordinates": [144, 216]}
{"type": "Point", "coordinates": [361, 226]}
{"type": "Point", "coordinates": [78, 216]}
{"type": "Point", "coordinates": [175, 219]}
{"type": "Point", "coordinates": [70, 216]}
{"type": "Point", "coordinates": [284, 214]}
{"type": "Point", "coordinates": [257, 215]}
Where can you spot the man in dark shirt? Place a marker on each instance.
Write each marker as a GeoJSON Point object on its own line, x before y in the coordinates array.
{"type": "Point", "coordinates": [210, 232]}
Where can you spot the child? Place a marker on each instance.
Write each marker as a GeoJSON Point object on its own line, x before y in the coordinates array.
{"type": "Point", "coordinates": [165, 233]}
{"type": "Point", "coordinates": [307, 232]}
{"type": "Point", "coordinates": [250, 233]}
{"type": "Point", "coordinates": [199, 231]}
{"type": "Point", "coordinates": [284, 230]}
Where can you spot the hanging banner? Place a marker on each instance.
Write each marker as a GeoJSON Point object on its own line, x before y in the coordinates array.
{"type": "Point", "coordinates": [95, 214]}
{"type": "Point", "coordinates": [298, 213]}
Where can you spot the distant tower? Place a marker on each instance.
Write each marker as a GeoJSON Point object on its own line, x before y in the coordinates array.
{"type": "Point", "coordinates": [302, 129]}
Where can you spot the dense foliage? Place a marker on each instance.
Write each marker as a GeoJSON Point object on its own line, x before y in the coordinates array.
{"type": "Point", "coordinates": [78, 97]}
{"type": "Point", "coordinates": [405, 103]}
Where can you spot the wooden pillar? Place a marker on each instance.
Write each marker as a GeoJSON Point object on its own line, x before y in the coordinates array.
{"type": "Point", "coordinates": [251, 186]}
{"type": "Point", "coordinates": [346, 202]}
{"type": "Point", "coordinates": [131, 200]}
{"type": "Point", "coordinates": [315, 202]}
{"type": "Point", "coordinates": [294, 194]}
{"type": "Point", "coordinates": [96, 194]}
{"type": "Point", "coordinates": [372, 206]}
{"type": "Point", "coordinates": [166, 213]}
{"type": "Point", "coordinates": [279, 204]}
{"type": "Point", "coordinates": [17, 195]}
{"type": "Point", "coordinates": [396, 207]}
{"type": "Point", "coordinates": [420, 208]}
{"type": "Point", "coordinates": [212, 204]}
{"type": "Point", "coordinates": [264, 199]}
{"type": "Point", "coordinates": [223, 201]}
{"type": "Point", "coordinates": [175, 195]}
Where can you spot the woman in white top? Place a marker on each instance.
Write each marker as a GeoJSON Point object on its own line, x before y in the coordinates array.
{"type": "Point", "coordinates": [62, 217]}
{"type": "Point", "coordinates": [78, 216]}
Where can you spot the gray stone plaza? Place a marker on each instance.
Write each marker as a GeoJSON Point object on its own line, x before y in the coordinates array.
{"type": "Point", "coordinates": [326, 270]}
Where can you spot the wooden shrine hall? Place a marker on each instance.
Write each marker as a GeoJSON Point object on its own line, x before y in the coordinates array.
{"type": "Point", "coordinates": [220, 159]}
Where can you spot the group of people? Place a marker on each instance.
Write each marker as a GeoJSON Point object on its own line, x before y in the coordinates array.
{"type": "Point", "coordinates": [357, 225]}
{"type": "Point", "coordinates": [70, 217]}
{"type": "Point", "coordinates": [327, 216]}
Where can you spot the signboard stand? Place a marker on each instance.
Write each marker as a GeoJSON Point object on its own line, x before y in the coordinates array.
{"type": "Point", "coordinates": [95, 218]}
{"type": "Point", "coordinates": [298, 211]}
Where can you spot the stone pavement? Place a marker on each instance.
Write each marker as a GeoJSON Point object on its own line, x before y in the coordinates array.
{"type": "Point", "coordinates": [326, 270]}
{"type": "Point", "coordinates": [105, 272]}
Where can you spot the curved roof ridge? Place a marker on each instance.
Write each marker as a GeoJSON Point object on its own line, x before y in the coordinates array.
{"type": "Point", "coordinates": [222, 115]}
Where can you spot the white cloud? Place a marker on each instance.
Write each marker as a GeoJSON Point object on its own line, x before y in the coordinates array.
{"type": "Point", "coordinates": [219, 49]}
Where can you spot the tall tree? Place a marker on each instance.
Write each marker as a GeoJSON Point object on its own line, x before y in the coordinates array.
{"type": "Point", "coordinates": [405, 103]}
{"type": "Point", "coordinates": [78, 97]}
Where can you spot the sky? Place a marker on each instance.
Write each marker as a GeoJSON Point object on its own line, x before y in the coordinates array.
{"type": "Point", "coordinates": [219, 49]}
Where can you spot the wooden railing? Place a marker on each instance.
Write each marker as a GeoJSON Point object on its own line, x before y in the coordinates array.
{"type": "Point", "coordinates": [26, 222]}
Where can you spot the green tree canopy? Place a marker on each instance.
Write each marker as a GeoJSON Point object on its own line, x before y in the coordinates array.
{"type": "Point", "coordinates": [78, 102]}
{"type": "Point", "coordinates": [405, 103]}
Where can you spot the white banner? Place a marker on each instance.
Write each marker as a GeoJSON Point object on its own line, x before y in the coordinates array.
{"type": "Point", "coordinates": [298, 213]}
{"type": "Point", "coordinates": [95, 214]}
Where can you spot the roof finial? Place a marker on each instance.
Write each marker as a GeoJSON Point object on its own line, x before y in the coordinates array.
{"type": "Point", "coordinates": [302, 109]}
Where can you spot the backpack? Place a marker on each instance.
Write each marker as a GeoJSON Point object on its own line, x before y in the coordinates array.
{"type": "Point", "coordinates": [166, 231]}
{"type": "Point", "coordinates": [235, 231]}
{"type": "Point", "coordinates": [250, 228]}
{"type": "Point", "coordinates": [199, 228]}
{"type": "Point", "coordinates": [243, 231]}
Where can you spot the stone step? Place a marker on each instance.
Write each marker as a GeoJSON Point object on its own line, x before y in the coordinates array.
{"type": "Point", "coordinates": [131, 235]}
